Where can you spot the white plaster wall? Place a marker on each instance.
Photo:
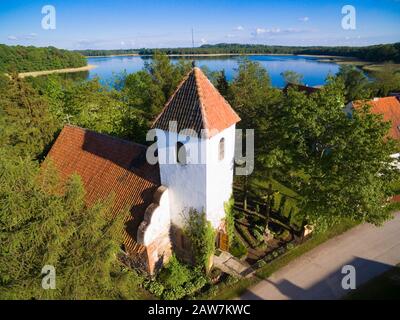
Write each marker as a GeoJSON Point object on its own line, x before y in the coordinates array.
{"type": "Point", "coordinates": [186, 183]}
{"type": "Point", "coordinates": [159, 225]}
{"type": "Point", "coordinates": [219, 175]}
{"type": "Point", "coordinates": [205, 183]}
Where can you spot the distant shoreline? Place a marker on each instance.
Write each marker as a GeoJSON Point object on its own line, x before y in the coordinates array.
{"type": "Point", "coordinates": [216, 55]}
{"type": "Point", "coordinates": [367, 66]}
{"type": "Point", "coordinates": [47, 72]}
{"type": "Point", "coordinates": [321, 58]}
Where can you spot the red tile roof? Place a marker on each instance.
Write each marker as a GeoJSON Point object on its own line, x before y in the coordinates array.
{"type": "Point", "coordinates": [196, 104]}
{"type": "Point", "coordinates": [389, 107]}
{"type": "Point", "coordinates": [108, 166]}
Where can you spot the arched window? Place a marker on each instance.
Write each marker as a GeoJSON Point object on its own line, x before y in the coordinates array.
{"type": "Point", "coordinates": [181, 156]}
{"type": "Point", "coordinates": [221, 149]}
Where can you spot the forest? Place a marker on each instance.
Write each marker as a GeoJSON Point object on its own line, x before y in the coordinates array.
{"type": "Point", "coordinates": [27, 59]}
{"type": "Point", "coordinates": [339, 167]}
{"type": "Point", "coordinates": [375, 53]}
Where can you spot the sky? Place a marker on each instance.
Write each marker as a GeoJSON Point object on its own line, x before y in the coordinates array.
{"type": "Point", "coordinates": [118, 24]}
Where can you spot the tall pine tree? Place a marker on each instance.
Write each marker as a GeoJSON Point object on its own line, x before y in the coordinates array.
{"type": "Point", "coordinates": [26, 123]}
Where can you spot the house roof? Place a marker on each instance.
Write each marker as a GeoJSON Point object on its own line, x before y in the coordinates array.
{"type": "Point", "coordinates": [196, 104]}
{"type": "Point", "coordinates": [109, 166]}
{"type": "Point", "coordinates": [299, 87]}
{"type": "Point", "coordinates": [389, 107]}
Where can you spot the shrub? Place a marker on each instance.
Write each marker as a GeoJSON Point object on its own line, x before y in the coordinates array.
{"type": "Point", "coordinates": [202, 237]}
{"type": "Point", "coordinates": [231, 280]}
{"type": "Point", "coordinates": [246, 235]}
{"type": "Point", "coordinates": [284, 235]}
{"type": "Point", "coordinates": [261, 263]}
{"type": "Point", "coordinates": [195, 285]}
{"type": "Point", "coordinates": [174, 274]}
{"type": "Point", "coordinates": [155, 288]}
{"type": "Point", "coordinates": [230, 219]}
{"type": "Point", "coordinates": [175, 293]}
{"type": "Point", "coordinates": [268, 258]}
{"type": "Point", "coordinates": [281, 250]}
{"type": "Point", "coordinates": [238, 249]}
{"type": "Point", "coordinates": [290, 246]}
{"type": "Point", "coordinates": [238, 214]}
{"type": "Point", "coordinates": [257, 234]}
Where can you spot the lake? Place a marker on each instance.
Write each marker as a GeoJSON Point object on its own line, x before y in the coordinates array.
{"type": "Point", "coordinates": [314, 71]}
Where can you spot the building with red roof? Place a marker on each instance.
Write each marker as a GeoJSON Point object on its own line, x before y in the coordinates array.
{"type": "Point", "coordinates": [388, 107]}
{"type": "Point", "coordinates": [193, 171]}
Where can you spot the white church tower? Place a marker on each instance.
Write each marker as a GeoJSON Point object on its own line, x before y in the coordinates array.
{"type": "Point", "coordinates": [195, 141]}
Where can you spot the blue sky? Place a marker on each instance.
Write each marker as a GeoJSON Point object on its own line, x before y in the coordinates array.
{"type": "Point", "coordinates": [134, 24]}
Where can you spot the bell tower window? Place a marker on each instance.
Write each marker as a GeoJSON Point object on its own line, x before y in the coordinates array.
{"type": "Point", "coordinates": [181, 154]}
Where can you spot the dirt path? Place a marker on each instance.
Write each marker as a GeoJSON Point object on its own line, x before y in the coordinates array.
{"type": "Point", "coordinates": [46, 72]}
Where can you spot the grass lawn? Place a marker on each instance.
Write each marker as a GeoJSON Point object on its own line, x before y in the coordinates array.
{"type": "Point", "coordinates": [383, 287]}
{"type": "Point", "coordinates": [224, 291]}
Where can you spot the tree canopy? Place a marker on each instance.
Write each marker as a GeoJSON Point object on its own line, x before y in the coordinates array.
{"type": "Point", "coordinates": [339, 166]}
{"type": "Point", "coordinates": [26, 59]}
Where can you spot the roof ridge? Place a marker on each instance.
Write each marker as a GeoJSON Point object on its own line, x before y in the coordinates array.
{"type": "Point", "coordinates": [198, 105]}
{"type": "Point", "coordinates": [197, 72]}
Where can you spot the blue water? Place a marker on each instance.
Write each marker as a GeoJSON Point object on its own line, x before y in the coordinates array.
{"type": "Point", "coordinates": [313, 71]}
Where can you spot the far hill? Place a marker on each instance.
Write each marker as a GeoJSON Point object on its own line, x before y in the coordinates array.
{"type": "Point", "coordinates": [375, 53]}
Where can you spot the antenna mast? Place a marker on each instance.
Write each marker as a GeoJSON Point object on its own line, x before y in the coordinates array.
{"type": "Point", "coordinates": [193, 40]}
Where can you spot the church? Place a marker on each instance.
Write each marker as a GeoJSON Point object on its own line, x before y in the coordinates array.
{"type": "Point", "coordinates": [197, 123]}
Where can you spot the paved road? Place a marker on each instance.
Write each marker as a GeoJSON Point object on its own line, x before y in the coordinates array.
{"type": "Point", "coordinates": [317, 274]}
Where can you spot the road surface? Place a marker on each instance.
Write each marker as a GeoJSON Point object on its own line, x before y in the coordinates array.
{"type": "Point", "coordinates": [318, 273]}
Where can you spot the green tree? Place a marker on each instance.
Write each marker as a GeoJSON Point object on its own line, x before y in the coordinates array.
{"type": "Point", "coordinates": [222, 85]}
{"type": "Point", "coordinates": [93, 106]}
{"type": "Point", "coordinates": [26, 123]}
{"type": "Point", "coordinates": [252, 94]}
{"type": "Point", "coordinates": [146, 92]}
{"type": "Point", "coordinates": [340, 167]}
{"type": "Point", "coordinates": [292, 77]}
{"type": "Point", "coordinates": [356, 84]}
{"type": "Point", "coordinates": [165, 74]}
{"type": "Point", "coordinates": [40, 225]}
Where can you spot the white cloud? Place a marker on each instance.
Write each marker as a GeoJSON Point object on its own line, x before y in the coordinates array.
{"type": "Point", "coordinates": [239, 28]}
{"type": "Point", "coordinates": [261, 30]}
{"type": "Point", "coordinates": [30, 36]}
{"type": "Point", "coordinates": [122, 43]}
{"type": "Point", "coordinates": [273, 31]}
{"type": "Point", "coordinates": [304, 19]}
{"type": "Point", "coordinates": [203, 41]}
